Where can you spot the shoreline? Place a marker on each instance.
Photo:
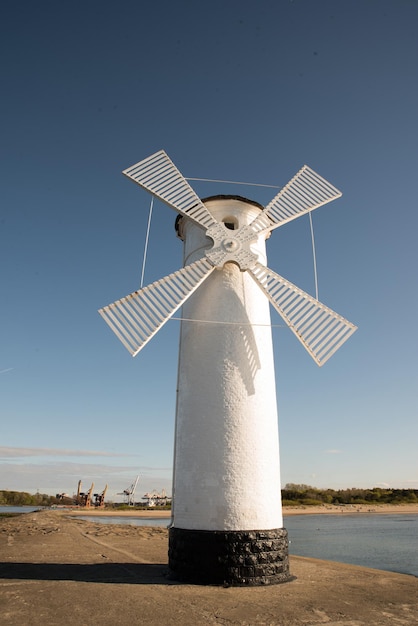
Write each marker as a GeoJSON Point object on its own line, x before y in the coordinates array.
{"type": "Point", "coordinates": [326, 509]}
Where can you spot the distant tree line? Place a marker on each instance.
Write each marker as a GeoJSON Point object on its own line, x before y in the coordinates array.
{"type": "Point", "coordinates": [22, 498]}
{"type": "Point", "coordinates": [293, 495]}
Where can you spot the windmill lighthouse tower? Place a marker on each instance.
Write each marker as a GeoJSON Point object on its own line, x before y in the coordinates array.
{"type": "Point", "coordinates": [227, 524]}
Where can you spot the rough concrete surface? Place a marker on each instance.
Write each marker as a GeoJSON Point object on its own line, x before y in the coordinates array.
{"type": "Point", "coordinates": [55, 570]}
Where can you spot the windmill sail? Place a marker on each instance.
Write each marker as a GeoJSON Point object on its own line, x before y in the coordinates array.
{"type": "Point", "coordinates": [305, 192]}
{"type": "Point", "coordinates": [138, 317]}
{"type": "Point", "coordinates": [160, 176]}
{"type": "Point", "coordinates": [318, 328]}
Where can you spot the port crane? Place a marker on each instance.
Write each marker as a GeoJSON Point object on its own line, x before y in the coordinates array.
{"type": "Point", "coordinates": [83, 498]}
{"type": "Point", "coordinates": [99, 498]}
{"type": "Point", "coordinates": [129, 493]}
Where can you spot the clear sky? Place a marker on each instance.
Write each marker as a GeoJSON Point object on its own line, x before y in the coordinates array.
{"type": "Point", "coordinates": [242, 91]}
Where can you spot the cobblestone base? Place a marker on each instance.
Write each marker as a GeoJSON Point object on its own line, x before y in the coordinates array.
{"type": "Point", "coordinates": [235, 558]}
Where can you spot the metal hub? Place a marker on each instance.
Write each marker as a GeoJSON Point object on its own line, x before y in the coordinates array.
{"type": "Point", "coordinates": [231, 245]}
{"type": "Point", "coordinates": [231, 249]}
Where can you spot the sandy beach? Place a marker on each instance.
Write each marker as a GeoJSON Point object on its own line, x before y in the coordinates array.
{"type": "Point", "coordinates": [296, 510]}
{"type": "Point", "coordinates": [57, 569]}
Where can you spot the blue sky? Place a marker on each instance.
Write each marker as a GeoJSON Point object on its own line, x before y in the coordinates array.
{"type": "Point", "coordinates": [237, 90]}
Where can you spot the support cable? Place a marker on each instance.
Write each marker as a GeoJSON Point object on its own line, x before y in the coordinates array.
{"type": "Point", "coordinates": [146, 241]}
{"type": "Point", "coordinates": [233, 182]}
{"type": "Point", "coordinates": [223, 323]}
{"type": "Point", "coordinates": [314, 255]}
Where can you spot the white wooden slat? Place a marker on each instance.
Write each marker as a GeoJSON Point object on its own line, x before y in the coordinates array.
{"type": "Point", "coordinates": [295, 199]}
{"type": "Point", "coordinates": [312, 319]}
{"type": "Point", "coordinates": [143, 323]}
{"type": "Point", "coordinates": [129, 327]}
{"type": "Point", "coordinates": [313, 326]}
{"type": "Point", "coordinates": [328, 337]}
{"type": "Point", "coordinates": [156, 302]}
{"type": "Point", "coordinates": [308, 190]}
{"type": "Point", "coordinates": [301, 309]}
{"type": "Point", "coordinates": [136, 318]}
{"type": "Point", "coordinates": [158, 175]}
{"type": "Point", "coordinates": [318, 328]}
{"type": "Point", "coordinates": [117, 328]}
{"type": "Point", "coordinates": [154, 172]}
{"type": "Point", "coordinates": [331, 349]}
{"type": "Point", "coordinates": [147, 314]}
{"type": "Point", "coordinates": [305, 192]}
{"type": "Point", "coordinates": [171, 186]}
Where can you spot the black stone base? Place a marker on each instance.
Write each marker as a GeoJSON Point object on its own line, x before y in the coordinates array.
{"type": "Point", "coordinates": [230, 558]}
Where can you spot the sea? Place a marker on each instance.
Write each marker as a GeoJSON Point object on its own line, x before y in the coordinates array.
{"type": "Point", "coordinates": [383, 541]}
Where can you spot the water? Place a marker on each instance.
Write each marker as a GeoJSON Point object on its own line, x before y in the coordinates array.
{"type": "Point", "coordinates": [128, 521]}
{"type": "Point", "coordinates": [19, 509]}
{"type": "Point", "coordinates": [385, 542]}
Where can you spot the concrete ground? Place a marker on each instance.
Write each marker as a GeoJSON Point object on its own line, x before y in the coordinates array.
{"type": "Point", "coordinates": [55, 570]}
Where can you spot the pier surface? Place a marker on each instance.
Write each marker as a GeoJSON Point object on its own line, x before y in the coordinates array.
{"type": "Point", "coordinates": [58, 570]}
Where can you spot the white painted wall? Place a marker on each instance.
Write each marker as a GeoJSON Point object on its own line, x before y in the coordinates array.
{"type": "Point", "coordinates": [226, 465]}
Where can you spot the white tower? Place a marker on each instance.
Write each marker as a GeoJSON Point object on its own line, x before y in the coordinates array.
{"type": "Point", "coordinates": [227, 456]}
{"type": "Point", "coordinates": [227, 524]}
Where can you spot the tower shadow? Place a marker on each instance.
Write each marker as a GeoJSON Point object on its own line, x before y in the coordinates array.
{"type": "Point", "coordinates": [120, 573]}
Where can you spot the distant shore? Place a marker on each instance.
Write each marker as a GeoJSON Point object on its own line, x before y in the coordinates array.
{"type": "Point", "coordinates": [326, 509]}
